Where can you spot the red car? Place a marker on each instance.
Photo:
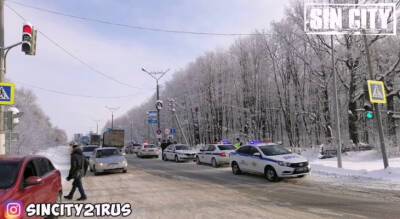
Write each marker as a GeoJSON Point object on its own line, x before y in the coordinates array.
{"type": "Point", "coordinates": [26, 180]}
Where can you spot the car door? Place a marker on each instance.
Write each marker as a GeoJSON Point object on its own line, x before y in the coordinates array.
{"type": "Point", "coordinates": [242, 158]}
{"type": "Point", "coordinates": [254, 161]}
{"type": "Point", "coordinates": [169, 152]}
{"type": "Point", "coordinates": [50, 180]}
{"type": "Point", "coordinates": [30, 194]}
{"type": "Point", "coordinates": [202, 153]}
{"type": "Point", "coordinates": [209, 154]}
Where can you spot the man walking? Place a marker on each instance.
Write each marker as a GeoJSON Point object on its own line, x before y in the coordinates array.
{"type": "Point", "coordinates": [76, 172]}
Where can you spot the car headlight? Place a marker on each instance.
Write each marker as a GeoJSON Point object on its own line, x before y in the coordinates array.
{"type": "Point", "coordinates": [282, 163]}
{"type": "Point", "coordinates": [101, 164]}
{"type": "Point", "coordinates": [124, 162]}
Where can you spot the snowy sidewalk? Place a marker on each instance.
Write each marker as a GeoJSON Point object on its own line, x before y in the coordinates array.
{"type": "Point", "coordinates": [364, 169]}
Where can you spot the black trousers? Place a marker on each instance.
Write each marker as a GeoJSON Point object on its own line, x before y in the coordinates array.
{"type": "Point", "coordinates": [77, 183]}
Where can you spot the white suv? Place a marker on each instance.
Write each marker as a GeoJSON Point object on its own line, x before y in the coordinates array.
{"type": "Point", "coordinates": [272, 160]}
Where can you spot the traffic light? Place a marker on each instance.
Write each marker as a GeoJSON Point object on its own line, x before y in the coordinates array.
{"type": "Point", "coordinates": [12, 117]}
{"type": "Point", "coordinates": [368, 111]}
{"type": "Point", "coordinates": [28, 40]}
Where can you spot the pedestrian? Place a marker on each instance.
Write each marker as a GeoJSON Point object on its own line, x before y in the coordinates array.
{"type": "Point", "coordinates": [163, 146]}
{"type": "Point", "coordinates": [76, 172]}
{"type": "Point", "coordinates": [238, 143]}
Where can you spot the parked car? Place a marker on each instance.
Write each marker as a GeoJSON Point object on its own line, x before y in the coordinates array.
{"type": "Point", "coordinates": [178, 153]}
{"type": "Point", "coordinates": [88, 150]}
{"type": "Point", "coordinates": [148, 150]}
{"type": "Point", "coordinates": [215, 154]}
{"type": "Point", "coordinates": [107, 159]}
{"type": "Point", "coordinates": [28, 180]}
{"type": "Point", "coordinates": [132, 148]}
{"type": "Point", "coordinates": [272, 160]}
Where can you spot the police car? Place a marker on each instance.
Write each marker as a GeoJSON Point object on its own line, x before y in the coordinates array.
{"type": "Point", "coordinates": [272, 160]}
{"type": "Point", "coordinates": [178, 153]}
{"type": "Point", "coordinates": [215, 154]}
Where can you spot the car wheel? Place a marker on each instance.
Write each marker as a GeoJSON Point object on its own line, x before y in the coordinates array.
{"type": "Point", "coordinates": [124, 170]}
{"type": "Point", "coordinates": [214, 162]}
{"type": "Point", "coordinates": [94, 171]}
{"type": "Point", "coordinates": [164, 158]}
{"type": "Point", "coordinates": [270, 174]}
{"type": "Point", "coordinates": [198, 162]}
{"type": "Point", "coordinates": [236, 169]}
{"type": "Point", "coordinates": [301, 176]}
{"type": "Point", "coordinates": [176, 159]}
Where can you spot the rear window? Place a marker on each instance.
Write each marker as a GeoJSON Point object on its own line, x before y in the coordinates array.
{"type": "Point", "coordinates": [182, 147]}
{"type": "Point", "coordinates": [8, 174]}
{"type": "Point", "coordinates": [226, 147]}
{"type": "Point", "coordinates": [88, 149]}
{"type": "Point", "coordinates": [107, 153]}
{"type": "Point", "coordinates": [150, 146]}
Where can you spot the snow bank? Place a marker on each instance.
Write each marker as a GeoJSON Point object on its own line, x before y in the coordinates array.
{"type": "Point", "coordinates": [364, 168]}
{"type": "Point", "coordinates": [60, 157]}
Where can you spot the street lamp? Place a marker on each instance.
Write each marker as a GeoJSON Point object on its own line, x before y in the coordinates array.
{"type": "Point", "coordinates": [112, 110]}
{"type": "Point", "coordinates": [157, 76]}
{"type": "Point", "coordinates": [97, 121]}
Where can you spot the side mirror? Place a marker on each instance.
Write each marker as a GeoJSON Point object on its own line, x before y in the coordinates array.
{"type": "Point", "coordinates": [32, 181]}
{"type": "Point", "coordinates": [257, 154]}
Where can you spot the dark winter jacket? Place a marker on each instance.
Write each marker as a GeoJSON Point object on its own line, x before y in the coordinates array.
{"type": "Point", "coordinates": [77, 164]}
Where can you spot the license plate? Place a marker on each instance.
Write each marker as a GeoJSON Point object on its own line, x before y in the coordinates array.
{"type": "Point", "coordinates": [302, 169]}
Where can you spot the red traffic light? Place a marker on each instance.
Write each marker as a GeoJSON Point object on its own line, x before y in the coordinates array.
{"type": "Point", "coordinates": [27, 29]}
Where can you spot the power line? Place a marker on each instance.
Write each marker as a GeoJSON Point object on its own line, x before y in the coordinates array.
{"type": "Point", "coordinates": [71, 94]}
{"type": "Point", "coordinates": [74, 56]}
{"type": "Point", "coordinates": [136, 27]}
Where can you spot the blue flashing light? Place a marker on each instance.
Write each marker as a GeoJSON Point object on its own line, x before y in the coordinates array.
{"type": "Point", "coordinates": [225, 141]}
{"type": "Point", "coordinates": [254, 142]}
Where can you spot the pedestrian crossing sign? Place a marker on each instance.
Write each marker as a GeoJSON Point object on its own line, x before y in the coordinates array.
{"type": "Point", "coordinates": [376, 90]}
{"type": "Point", "coordinates": [7, 94]}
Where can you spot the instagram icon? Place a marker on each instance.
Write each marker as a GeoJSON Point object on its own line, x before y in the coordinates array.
{"type": "Point", "coordinates": [14, 210]}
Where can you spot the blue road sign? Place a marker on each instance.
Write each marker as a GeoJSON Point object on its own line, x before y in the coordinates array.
{"type": "Point", "coordinates": [152, 121]}
{"type": "Point", "coordinates": [7, 94]}
{"type": "Point", "coordinates": [152, 117]}
{"type": "Point", "coordinates": [173, 131]}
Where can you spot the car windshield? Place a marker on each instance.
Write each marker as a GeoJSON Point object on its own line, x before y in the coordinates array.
{"type": "Point", "coordinates": [8, 174]}
{"type": "Point", "coordinates": [182, 147]}
{"type": "Point", "coordinates": [226, 147]}
{"type": "Point", "coordinates": [107, 153]}
{"type": "Point", "coordinates": [88, 149]}
{"type": "Point", "coordinates": [272, 150]}
{"type": "Point", "coordinates": [150, 146]}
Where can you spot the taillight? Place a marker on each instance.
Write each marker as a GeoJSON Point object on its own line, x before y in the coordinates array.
{"type": "Point", "coordinates": [222, 154]}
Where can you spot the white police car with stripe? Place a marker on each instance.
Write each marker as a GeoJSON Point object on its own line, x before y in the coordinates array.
{"type": "Point", "coordinates": [272, 160]}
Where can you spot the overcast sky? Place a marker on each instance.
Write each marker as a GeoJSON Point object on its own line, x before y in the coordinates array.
{"type": "Point", "coordinates": [119, 52]}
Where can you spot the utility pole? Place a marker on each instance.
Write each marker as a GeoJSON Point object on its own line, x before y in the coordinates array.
{"type": "Point", "coordinates": [157, 76]}
{"type": "Point", "coordinates": [337, 113]}
{"type": "Point", "coordinates": [97, 125]}
{"type": "Point", "coordinates": [2, 72]}
{"type": "Point", "coordinates": [173, 110]}
{"type": "Point", "coordinates": [112, 110]}
{"type": "Point", "coordinates": [376, 106]}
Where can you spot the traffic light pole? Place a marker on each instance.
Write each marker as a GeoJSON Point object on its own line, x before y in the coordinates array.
{"type": "Point", "coordinates": [337, 113]}
{"type": "Point", "coordinates": [2, 72]}
{"type": "Point", "coordinates": [376, 107]}
{"type": "Point", "coordinates": [157, 78]}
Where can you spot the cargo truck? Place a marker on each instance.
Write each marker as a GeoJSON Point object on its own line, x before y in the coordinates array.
{"type": "Point", "coordinates": [95, 139]}
{"type": "Point", "coordinates": [114, 138]}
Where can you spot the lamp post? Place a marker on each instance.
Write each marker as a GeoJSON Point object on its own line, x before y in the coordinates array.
{"type": "Point", "coordinates": [157, 76]}
{"type": "Point", "coordinates": [112, 110]}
